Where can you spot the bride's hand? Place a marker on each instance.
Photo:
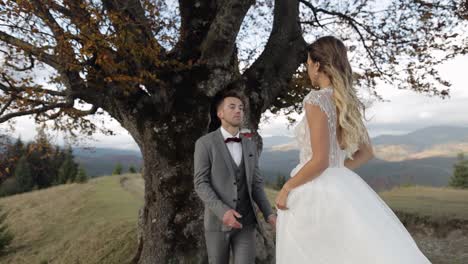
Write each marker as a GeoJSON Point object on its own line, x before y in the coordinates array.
{"type": "Point", "coordinates": [281, 199]}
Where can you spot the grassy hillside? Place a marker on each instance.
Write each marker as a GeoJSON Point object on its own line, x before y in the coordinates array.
{"type": "Point", "coordinates": [438, 203]}
{"type": "Point", "coordinates": [96, 222]}
{"type": "Point", "coordinates": [437, 218]}
{"type": "Point", "coordinates": [74, 223]}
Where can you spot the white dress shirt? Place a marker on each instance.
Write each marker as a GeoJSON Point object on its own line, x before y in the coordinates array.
{"type": "Point", "coordinates": [235, 148]}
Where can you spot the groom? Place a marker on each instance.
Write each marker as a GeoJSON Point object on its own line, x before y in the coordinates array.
{"type": "Point", "coordinates": [228, 181]}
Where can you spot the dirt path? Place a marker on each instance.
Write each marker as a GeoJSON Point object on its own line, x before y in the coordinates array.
{"type": "Point", "coordinates": [133, 184]}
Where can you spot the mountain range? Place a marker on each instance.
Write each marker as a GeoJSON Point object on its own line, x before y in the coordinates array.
{"type": "Point", "coordinates": [422, 157]}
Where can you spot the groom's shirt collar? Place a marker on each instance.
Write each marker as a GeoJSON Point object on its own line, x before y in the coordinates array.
{"type": "Point", "coordinates": [226, 134]}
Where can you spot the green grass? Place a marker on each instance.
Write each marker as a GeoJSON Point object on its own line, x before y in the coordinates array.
{"type": "Point", "coordinates": [446, 203]}
{"type": "Point", "coordinates": [271, 195]}
{"type": "Point", "coordinates": [438, 203]}
{"type": "Point", "coordinates": [96, 222]}
{"type": "Point", "coordinates": [73, 223]}
{"type": "Point", "coordinates": [439, 241]}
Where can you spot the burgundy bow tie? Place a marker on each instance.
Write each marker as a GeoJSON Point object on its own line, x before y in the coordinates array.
{"type": "Point", "coordinates": [232, 139]}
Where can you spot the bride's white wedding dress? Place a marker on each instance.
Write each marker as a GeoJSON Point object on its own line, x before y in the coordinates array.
{"type": "Point", "coordinates": [337, 218]}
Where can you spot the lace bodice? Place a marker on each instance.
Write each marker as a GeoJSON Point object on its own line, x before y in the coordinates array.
{"type": "Point", "coordinates": [324, 99]}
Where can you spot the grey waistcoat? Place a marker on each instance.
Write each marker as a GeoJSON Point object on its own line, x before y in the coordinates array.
{"type": "Point", "coordinates": [243, 204]}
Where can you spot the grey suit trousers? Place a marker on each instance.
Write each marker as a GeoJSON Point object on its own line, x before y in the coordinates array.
{"type": "Point", "coordinates": [241, 242]}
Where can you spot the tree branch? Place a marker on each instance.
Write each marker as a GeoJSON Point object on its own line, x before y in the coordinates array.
{"type": "Point", "coordinates": [220, 40]}
{"type": "Point", "coordinates": [38, 110]}
{"type": "Point", "coordinates": [5, 107]}
{"type": "Point", "coordinates": [63, 10]}
{"type": "Point", "coordinates": [42, 11]}
{"type": "Point", "coordinates": [31, 65]}
{"type": "Point", "coordinates": [18, 90]}
{"type": "Point", "coordinates": [76, 112]}
{"type": "Point", "coordinates": [354, 24]}
{"type": "Point", "coordinates": [270, 74]}
{"type": "Point", "coordinates": [196, 19]}
{"type": "Point", "coordinates": [30, 49]}
{"type": "Point", "coordinates": [91, 111]}
{"type": "Point", "coordinates": [132, 19]}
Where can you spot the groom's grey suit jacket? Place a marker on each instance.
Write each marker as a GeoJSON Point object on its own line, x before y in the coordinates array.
{"type": "Point", "coordinates": [215, 182]}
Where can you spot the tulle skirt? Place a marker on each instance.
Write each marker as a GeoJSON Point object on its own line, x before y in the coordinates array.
{"type": "Point", "coordinates": [337, 219]}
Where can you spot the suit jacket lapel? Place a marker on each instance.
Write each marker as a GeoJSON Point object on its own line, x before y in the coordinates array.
{"type": "Point", "coordinates": [247, 159]}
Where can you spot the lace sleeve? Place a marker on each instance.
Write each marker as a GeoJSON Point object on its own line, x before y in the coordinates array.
{"type": "Point", "coordinates": [323, 100]}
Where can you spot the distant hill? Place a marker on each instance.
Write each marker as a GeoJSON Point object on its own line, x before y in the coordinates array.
{"type": "Point", "coordinates": [384, 175]}
{"type": "Point", "coordinates": [4, 140]}
{"type": "Point", "coordinates": [6, 137]}
{"type": "Point", "coordinates": [423, 157]}
{"type": "Point", "coordinates": [379, 174]}
{"type": "Point", "coordinates": [426, 137]}
{"type": "Point", "coordinates": [439, 141]}
{"type": "Point", "coordinates": [101, 161]}
{"type": "Point", "coordinates": [269, 142]}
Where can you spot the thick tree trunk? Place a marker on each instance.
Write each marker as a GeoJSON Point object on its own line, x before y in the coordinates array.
{"type": "Point", "coordinates": [171, 227]}
{"type": "Point", "coordinates": [171, 224]}
{"type": "Point", "coordinates": [171, 220]}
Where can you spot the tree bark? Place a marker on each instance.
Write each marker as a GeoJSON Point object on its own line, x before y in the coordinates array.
{"type": "Point", "coordinates": [171, 228]}
{"type": "Point", "coordinates": [171, 220]}
{"type": "Point", "coordinates": [170, 114]}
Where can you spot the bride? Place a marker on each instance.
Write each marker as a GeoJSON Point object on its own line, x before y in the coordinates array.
{"type": "Point", "coordinates": [326, 213]}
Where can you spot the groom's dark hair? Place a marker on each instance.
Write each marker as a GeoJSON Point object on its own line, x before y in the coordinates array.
{"type": "Point", "coordinates": [231, 90]}
{"type": "Point", "coordinates": [226, 94]}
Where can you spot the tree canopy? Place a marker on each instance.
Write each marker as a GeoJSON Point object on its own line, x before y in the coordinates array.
{"type": "Point", "coordinates": [156, 66]}
{"type": "Point", "coordinates": [92, 52]}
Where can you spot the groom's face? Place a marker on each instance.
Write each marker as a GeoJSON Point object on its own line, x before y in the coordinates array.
{"type": "Point", "coordinates": [231, 111]}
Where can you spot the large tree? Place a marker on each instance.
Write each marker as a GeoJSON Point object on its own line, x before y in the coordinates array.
{"type": "Point", "coordinates": [155, 67]}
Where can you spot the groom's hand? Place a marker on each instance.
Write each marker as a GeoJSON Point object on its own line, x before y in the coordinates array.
{"type": "Point", "coordinates": [230, 219]}
{"type": "Point", "coordinates": [281, 199]}
{"type": "Point", "coordinates": [272, 221]}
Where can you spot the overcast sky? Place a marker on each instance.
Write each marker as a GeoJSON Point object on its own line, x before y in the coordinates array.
{"type": "Point", "coordinates": [406, 111]}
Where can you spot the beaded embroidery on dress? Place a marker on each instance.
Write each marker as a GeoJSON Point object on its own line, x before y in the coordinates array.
{"type": "Point", "coordinates": [337, 218]}
{"type": "Point", "coordinates": [323, 99]}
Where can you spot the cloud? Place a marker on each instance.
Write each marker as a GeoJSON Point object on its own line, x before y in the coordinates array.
{"type": "Point", "coordinates": [411, 110]}
{"type": "Point", "coordinates": [277, 125]}
{"type": "Point", "coordinates": [26, 129]}
{"type": "Point", "coordinates": [406, 111]}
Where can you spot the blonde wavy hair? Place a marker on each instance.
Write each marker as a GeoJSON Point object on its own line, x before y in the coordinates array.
{"type": "Point", "coordinates": [331, 53]}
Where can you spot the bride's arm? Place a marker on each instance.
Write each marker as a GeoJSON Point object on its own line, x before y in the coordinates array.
{"type": "Point", "coordinates": [361, 156]}
{"type": "Point", "coordinates": [319, 139]}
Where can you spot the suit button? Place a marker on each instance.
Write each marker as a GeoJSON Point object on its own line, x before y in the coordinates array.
{"type": "Point", "coordinates": [235, 183]}
{"type": "Point", "coordinates": [234, 200]}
